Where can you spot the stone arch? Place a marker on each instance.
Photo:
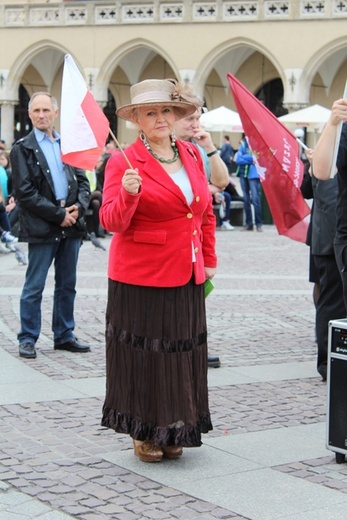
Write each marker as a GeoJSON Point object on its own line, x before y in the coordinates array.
{"type": "Point", "coordinates": [131, 61]}
{"type": "Point", "coordinates": [327, 61]}
{"type": "Point", "coordinates": [242, 49]}
{"type": "Point", "coordinates": [42, 65]}
{"type": "Point", "coordinates": [54, 54]}
{"type": "Point", "coordinates": [143, 50]}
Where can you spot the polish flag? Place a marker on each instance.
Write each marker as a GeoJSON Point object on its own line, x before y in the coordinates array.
{"type": "Point", "coordinates": [83, 125]}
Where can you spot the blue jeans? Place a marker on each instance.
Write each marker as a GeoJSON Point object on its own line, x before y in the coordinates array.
{"type": "Point", "coordinates": [4, 221]}
{"type": "Point", "coordinates": [40, 257]}
{"type": "Point", "coordinates": [227, 200]}
{"type": "Point", "coordinates": [251, 194]}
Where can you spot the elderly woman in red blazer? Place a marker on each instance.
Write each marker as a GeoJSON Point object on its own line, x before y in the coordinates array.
{"type": "Point", "coordinates": [157, 203]}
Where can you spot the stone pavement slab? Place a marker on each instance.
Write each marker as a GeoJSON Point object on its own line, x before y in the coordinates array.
{"type": "Point", "coordinates": [256, 373]}
{"type": "Point", "coordinates": [267, 495]}
{"type": "Point", "coordinates": [276, 446]}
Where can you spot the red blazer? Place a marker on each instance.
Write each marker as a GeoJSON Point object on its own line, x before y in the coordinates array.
{"type": "Point", "coordinates": [155, 229]}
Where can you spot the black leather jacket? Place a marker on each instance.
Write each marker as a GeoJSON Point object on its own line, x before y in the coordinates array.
{"type": "Point", "coordinates": [324, 215]}
{"type": "Point", "coordinates": [40, 212]}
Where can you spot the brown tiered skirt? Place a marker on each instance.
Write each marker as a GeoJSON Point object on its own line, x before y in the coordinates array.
{"type": "Point", "coordinates": [156, 364]}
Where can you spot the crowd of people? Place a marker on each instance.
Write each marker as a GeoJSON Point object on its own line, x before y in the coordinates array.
{"type": "Point", "coordinates": [6, 202]}
{"type": "Point", "coordinates": [241, 165]}
{"type": "Point", "coordinates": [52, 200]}
{"type": "Point", "coordinates": [223, 160]}
{"type": "Point", "coordinates": [9, 211]}
{"type": "Point", "coordinates": [156, 328]}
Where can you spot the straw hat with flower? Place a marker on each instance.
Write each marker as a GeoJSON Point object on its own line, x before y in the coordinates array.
{"type": "Point", "coordinates": [154, 92]}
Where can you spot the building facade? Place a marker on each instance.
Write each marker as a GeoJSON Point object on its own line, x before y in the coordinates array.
{"type": "Point", "coordinates": [289, 53]}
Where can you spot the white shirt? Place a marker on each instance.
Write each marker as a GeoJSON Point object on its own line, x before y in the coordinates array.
{"type": "Point", "coordinates": [182, 180]}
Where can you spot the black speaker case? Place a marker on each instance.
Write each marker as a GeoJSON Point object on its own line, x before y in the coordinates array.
{"type": "Point", "coordinates": [336, 436]}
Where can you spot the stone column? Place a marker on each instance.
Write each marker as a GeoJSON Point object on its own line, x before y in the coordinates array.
{"type": "Point", "coordinates": [7, 121]}
{"type": "Point", "coordinates": [188, 76]}
{"type": "Point", "coordinates": [296, 90]}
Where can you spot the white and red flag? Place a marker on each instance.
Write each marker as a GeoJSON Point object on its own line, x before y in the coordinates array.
{"type": "Point", "coordinates": [277, 159]}
{"type": "Point", "coordinates": [83, 125]}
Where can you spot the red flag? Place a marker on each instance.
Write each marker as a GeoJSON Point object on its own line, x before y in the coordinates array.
{"type": "Point", "coordinates": [276, 157]}
{"type": "Point", "coordinates": [83, 125]}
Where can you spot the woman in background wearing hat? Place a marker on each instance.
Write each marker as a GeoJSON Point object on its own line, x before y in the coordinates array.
{"type": "Point", "coordinates": [162, 251]}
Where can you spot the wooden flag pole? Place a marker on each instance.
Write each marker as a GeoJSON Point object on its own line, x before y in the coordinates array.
{"type": "Point", "coordinates": [120, 149]}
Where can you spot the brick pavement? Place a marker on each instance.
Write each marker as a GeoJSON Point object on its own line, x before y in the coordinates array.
{"type": "Point", "coordinates": [260, 314]}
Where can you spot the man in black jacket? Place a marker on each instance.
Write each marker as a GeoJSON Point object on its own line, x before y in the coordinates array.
{"type": "Point", "coordinates": [330, 304]}
{"type": "Point", "coordinates": [324, 272]}
{"type": "Point", "coordinates": [52, 198]}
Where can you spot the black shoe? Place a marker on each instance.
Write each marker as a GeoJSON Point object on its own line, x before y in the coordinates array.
{"type": "Point", "coordinates": [323, 373]}
{"type": "Point", "coordinates": [27, 350]}
{"type": "Point", "coordinates": [213, 361]}
{"type": "Point", "coordinates": [322, 370]}
{"type": "Point", "coordinates": [72, 346]}
{"type": "Point", "coordinates": [247, 228]}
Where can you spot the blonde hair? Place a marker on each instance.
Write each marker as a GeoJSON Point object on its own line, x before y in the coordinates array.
{"type": "Point", "coordinates": [7, 155]}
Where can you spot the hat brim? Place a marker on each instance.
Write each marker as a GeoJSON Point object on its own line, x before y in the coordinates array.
{"type": "Point", "coordinates": [182, 109]}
